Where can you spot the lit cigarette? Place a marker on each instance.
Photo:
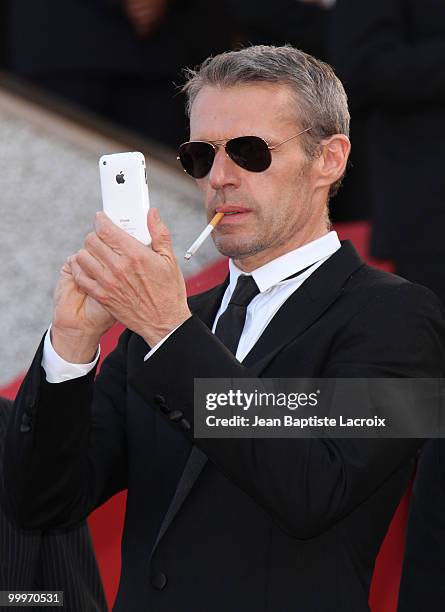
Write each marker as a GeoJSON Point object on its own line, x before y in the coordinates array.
{"type": "Point", "coordinates": [203, 235]}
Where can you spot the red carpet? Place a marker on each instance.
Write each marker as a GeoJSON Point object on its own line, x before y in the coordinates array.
{"type": "Point", "coordinates": [106, 522]}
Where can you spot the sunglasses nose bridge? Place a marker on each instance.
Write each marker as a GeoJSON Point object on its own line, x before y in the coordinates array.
{"type": "Point", "coordinates": [217, 146]}
{"type": "Point", "coordinates": [224, 170]}
{"type": "Point", "coordinates": [222, 144]}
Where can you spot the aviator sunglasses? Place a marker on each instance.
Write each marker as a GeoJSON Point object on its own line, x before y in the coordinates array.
{"type": "Point", "coordinates": [249, 152]}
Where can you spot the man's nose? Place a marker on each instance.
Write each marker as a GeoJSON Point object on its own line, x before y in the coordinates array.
{"type": "Point", "coordinates": [224, 172]}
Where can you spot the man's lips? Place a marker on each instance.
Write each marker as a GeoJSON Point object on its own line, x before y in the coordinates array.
{"type": "Point", "coordinates": [230, 210]}
{"type": "Point", "coordinates": [233, 213]}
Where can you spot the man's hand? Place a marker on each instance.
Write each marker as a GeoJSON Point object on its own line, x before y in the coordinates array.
{"type": "Point", "coordinates": [145, 15]}
{"type": "Point", "coordinates": [141, 287]}
{"type": "Point", "coordinates": [78, 320]}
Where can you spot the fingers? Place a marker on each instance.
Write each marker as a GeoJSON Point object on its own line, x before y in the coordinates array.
{"type": "Point", "coordinates": [113, 247]}
{"type": "Point", "coordinates": [112, 264]}
{"type": "Point", "coordinates": [66, 268]}
{"type": "Point", "coordinates": [160, 236]}
{"type": "Point", "coordinates": [122, 243]}
{"type": "Point", "coordinates": [103, 253]}
{"type": "Point", "coordinates": [91, 266]}
{"type": "Point", "coordinates": [113, 236]}
{"type": "Point", "coordinates": [83, 280]}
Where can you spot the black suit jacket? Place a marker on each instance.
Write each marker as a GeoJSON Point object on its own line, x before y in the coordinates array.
{"type": "Point", "coordinates": [58, 561]}
{"type": "Point", "coordinates": [390, 56]}
{"type": "Point", "coordinates": [240, 525]}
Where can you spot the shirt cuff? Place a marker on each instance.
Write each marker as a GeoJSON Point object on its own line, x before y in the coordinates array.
{"type": "Point", "coordinates": [58, 370]}
{"type": "Point", "coordinates": [160, 343]}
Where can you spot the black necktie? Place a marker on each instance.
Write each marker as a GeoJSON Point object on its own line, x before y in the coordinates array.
{"type": "Point", "coordinates": [231, 323]}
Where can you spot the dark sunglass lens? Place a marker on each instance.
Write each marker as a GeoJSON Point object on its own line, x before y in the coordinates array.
{"type": "Point", "coordinates": [249, 152]}
{"type": "Point", "coordinates": [196, 158]}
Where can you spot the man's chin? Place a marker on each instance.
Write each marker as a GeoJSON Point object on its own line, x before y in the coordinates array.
{"type": "Point", "coordinates": [237, 250]}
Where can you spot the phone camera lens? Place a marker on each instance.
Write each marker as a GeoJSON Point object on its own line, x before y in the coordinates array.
{"type": "Point", "coordinates": [104, 163]}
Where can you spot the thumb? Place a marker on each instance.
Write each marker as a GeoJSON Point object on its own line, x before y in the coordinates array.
{"type": "Point", "coordinates": [160, 236]}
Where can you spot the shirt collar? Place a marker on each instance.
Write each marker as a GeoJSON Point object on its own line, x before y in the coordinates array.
{"type": "Point", "coordinates": [280, 268]}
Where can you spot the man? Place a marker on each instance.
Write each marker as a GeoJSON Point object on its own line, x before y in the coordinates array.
{"type": "Point", "coordinates": [62, 561]}
{"type": "Point", "coordinates": [234, 524]}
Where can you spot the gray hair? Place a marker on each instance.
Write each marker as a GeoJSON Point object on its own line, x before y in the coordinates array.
{"type": "Point", "coordinates": [321, 101]}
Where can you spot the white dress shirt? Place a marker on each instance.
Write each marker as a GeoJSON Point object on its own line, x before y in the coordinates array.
{"type": "Point", "coordinates": [274, 291]}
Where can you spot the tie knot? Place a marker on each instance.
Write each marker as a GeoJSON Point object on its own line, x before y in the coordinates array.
{"type": "Point", "coordinates": [246, 289]}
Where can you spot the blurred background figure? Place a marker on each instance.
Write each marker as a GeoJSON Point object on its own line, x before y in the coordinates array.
{"type": "Point", "coordinates": [3, 29]}
{"type": "Point", "coordinates": [390, 55]}
{"type": "Point", "coordinates": [59, 561]}
{"type": "Point", "coordinates": [118, 58]}
{"type": "Point", "coordinates": [122, 58]}
{"type": "Point", "coordinates": [302, 23]}
{"type": "Point", "coordinates": [423, 579]}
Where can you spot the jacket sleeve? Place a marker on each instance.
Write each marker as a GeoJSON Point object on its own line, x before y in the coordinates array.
{"type": "Point", "coordinates": [65, 449]}
{"type": "Point", "coordinates": [307, 485]}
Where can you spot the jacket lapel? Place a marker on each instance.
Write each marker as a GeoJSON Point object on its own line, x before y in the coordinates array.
{"type": "Point", "coordinates": [301, 310]}
{"type": "Point", "coordinates": [304, 307]}
{"type": "Point", "coordinates": [193, 468]}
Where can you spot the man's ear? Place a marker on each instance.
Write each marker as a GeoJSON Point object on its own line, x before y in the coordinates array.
{"type": "Point", "coordinates": [331, 163]}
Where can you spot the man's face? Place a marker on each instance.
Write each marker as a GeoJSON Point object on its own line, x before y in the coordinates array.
{"type": "Point", "coordinates": [275, 210]}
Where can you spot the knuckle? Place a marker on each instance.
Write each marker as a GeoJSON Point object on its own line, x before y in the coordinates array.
{"type": "Point", "coordinates": [103, 232]}
{"type": "Point", "coordinates": [118, 269]}
{"type": "Point", "coordinates": [89, 240]}
{"type": "Point", "coordinates": [67, 264]}
{"type": "Point", "coordinates": [101, 296]}
{"type": "Point", "coordinates": [164, 232]}
{"type": "Point", "coordinates": [110, 284]}
{"type": "Point", "coordinates": [104, 298]}
{"type": "Point", "coordinates": [134, 258]}
{"type": "Point", "coordinates": [81, 254]}
{"type": "Point", "coordinates": [79, 277]}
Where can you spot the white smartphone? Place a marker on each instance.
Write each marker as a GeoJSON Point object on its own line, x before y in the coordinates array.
{"type": "Point", "coordinates": [124, 185]}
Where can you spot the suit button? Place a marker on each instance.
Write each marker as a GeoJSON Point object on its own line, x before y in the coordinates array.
{"type": "Point", "coordinates": [31, 401]}
{"type": "Point", "coordinates": [185, 425]}
{"type": "Point", "coordinates": [160, 399]}
{"type": "Point", "coordinates": [164, 408]}
{"type": "Point", "coordinates": [175, 415]}
{"type": "Point", "coordinates": [25, 426]}
{"type": "Point", "coordinates": [159, 581]}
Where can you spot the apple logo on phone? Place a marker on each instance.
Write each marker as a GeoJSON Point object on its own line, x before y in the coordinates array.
{"type": "Point", "coordinates": [120, 179]}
